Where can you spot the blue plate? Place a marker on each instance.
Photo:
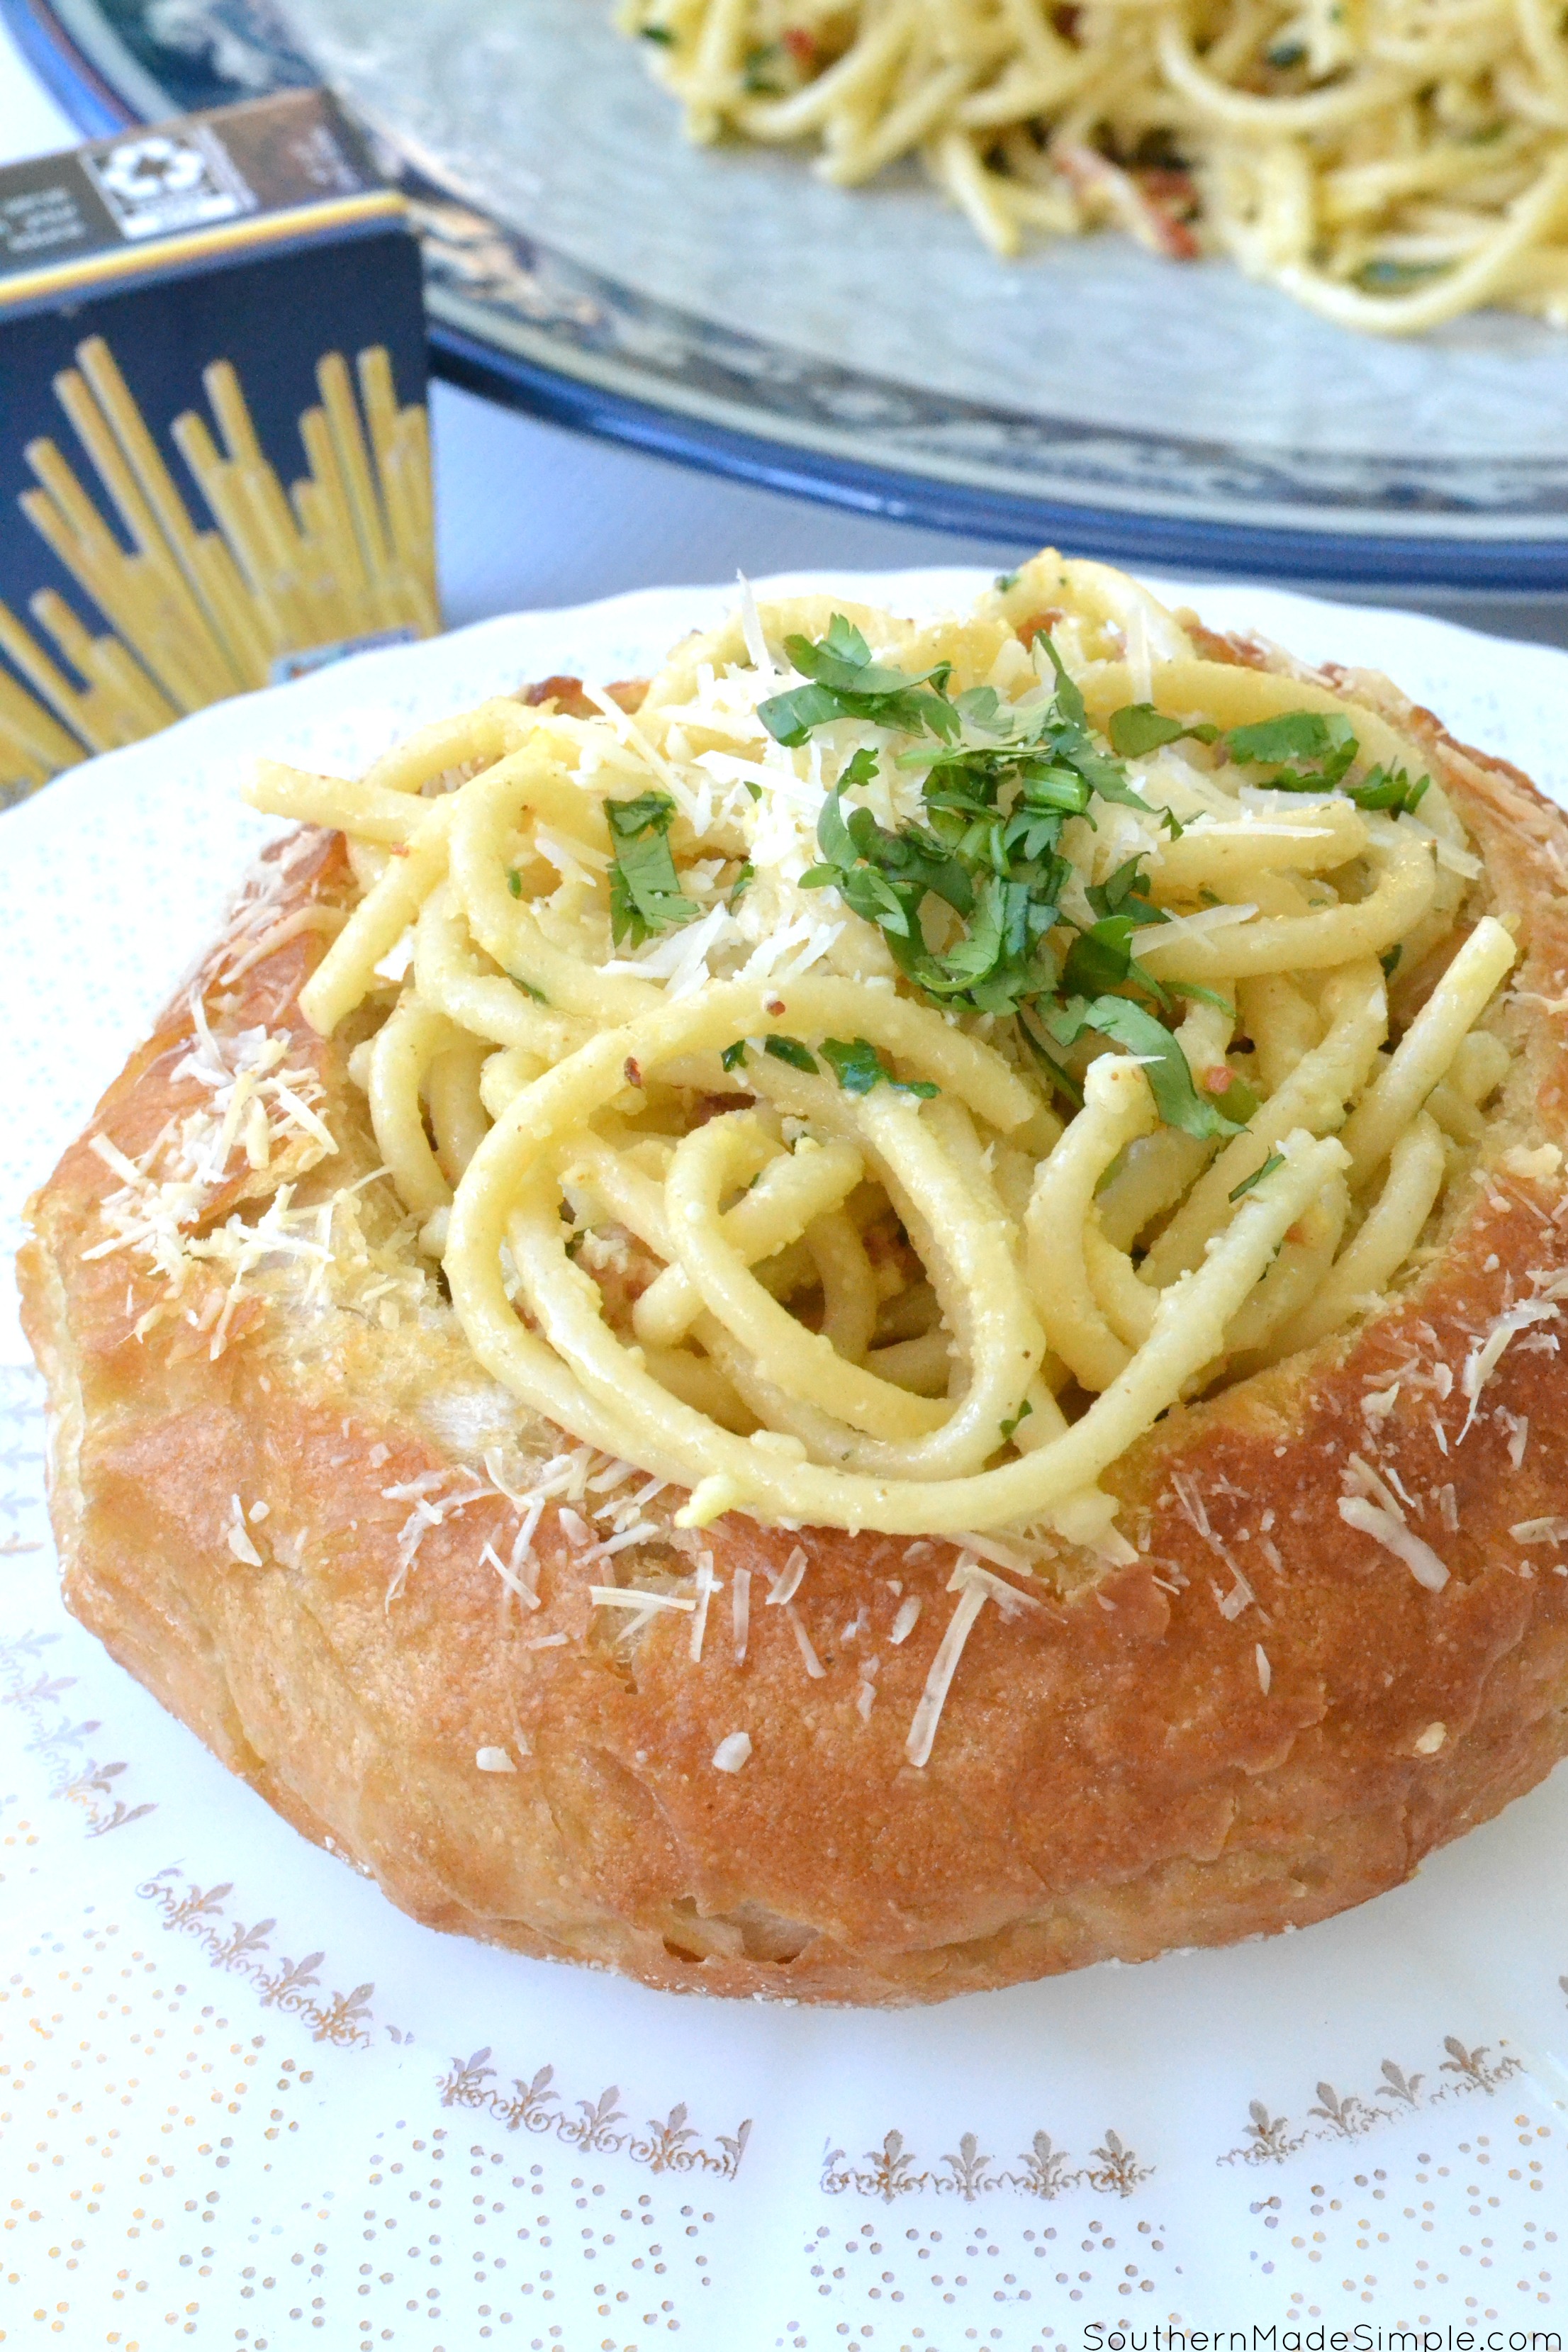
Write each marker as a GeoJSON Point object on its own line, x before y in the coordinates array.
{"type": "Point", "coordinates": [725, 308]}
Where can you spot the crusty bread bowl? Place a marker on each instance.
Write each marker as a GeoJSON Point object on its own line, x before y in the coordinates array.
{"type": "Point", "coordinates": [1262, 1719]}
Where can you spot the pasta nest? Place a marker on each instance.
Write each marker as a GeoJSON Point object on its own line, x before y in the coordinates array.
{"type": "Point", "coordinates": [848, 1087]}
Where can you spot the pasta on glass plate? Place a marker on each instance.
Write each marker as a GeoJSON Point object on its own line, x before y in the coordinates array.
{"type": "Point", "coordinates": [1394, 168]}
{"type": "Point", "coordinates": [871, 1318]}
{"type": "Point", "coordinates": [1389, 166]}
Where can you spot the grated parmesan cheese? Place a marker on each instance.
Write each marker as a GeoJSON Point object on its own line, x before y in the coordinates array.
{"type": "Point", "coordinates": [1535, 1531]}
{"type": "Point", "coordinates": [787, 1583]}
{"type": "Point", "coordinates": [732, 1752]}
{"type": "Point", "coordinates": [494, 1759]}
{"type": "Point", "coordinates": [699, 1614]}
{"type": "Point", "coordinates": [239, 1542]}
{"type": "Point", "coordinates": [810, 1659]}
{"type": "Point", "coordinates": [1394, 1537]}
{"type": "Point", "coordinates": [944, 1666]}
{"type": "Point", "coordinates": [629, 1596]}
{"type": "Point", "coordinates": [906, 1621]}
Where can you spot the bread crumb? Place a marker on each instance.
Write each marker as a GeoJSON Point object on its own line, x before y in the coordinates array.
{"type": "Point", "coordinates": [732, 1752]}
{"type": "Point", "coordinates": [494, 1759]}
{"type": "Point", "coordinates": [1543, 1161]}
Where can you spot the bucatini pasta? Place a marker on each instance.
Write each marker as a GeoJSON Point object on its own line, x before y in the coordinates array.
{"type": "Point", "coordinates": [1390, 163]}
{"type": "Point", "coordinates": [872, 1079]}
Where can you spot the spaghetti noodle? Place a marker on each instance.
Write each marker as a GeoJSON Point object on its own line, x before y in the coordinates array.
{"type": "Point", "coordinates": [197, 614]}
{"type": "Point", "coordinates": [1390, 163]}
{"type": "Point", "coordinates": [873, 1080]}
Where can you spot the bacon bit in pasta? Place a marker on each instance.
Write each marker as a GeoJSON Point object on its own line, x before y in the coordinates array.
{"type": "Point", "coordinates": [1105, 190]}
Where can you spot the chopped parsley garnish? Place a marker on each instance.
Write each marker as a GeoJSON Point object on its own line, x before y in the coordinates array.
{"type": "Point", "coordinates": [1390, 962]}
{"type": "Point", "coordinates": [1025, 1410]}
{"type": "Point", "coordinates": [846, 683]}
{"type": "Point", "coordinates": [791, 1050]}
{"type": "Point", "coordinates": [1176, 1098]}
{"type": "Point", "coordinates": [999, 785]}
{"type": "Point", "coordinates": [1383, 789]}
{"type": "Point", "coordinates": [1298, 738]}
{"type": "Point", "coordinates": [1138, 728]}
{"type": "Point", "coordinates": [756, 72]}
{"type": "Point", "coordinates": [659, 33]}
{"type": "Point", "coordinates": [514, 881]}
{"type": "Point", "coordinates": [740, 884]}
{"type": "Point", "coordinates": [1275, 1159]}
{"type": "Point", "coordinates": [733, 1057]}
{"type": "Point", "coordinates": [857, 1066]}
{"type": "Point", "coordinates": [1291, 741]}
{"type": "Point", "coordinates": [645, 895]}
{"type": "Point", "coordinates": [528, 989]}
{"type": "Point", "coordinates": [969, 894]}
{"type": "Point", "coordinates": [1392, 276]}
{"type": "Point", "coordinates": [1003, 582]}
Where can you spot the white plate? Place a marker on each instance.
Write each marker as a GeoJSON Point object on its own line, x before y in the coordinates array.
{"type": "Point", "coordinates": [208, 2131]}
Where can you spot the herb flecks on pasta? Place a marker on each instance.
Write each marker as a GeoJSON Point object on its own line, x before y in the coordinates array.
{"type": "Point", "coordinates": [1390, 164]}
{"type": "Point", "coordinates": [872, 1080]}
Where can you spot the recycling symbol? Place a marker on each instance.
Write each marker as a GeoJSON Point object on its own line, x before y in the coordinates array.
{"type": "Point", "coordinates": [147, 170]}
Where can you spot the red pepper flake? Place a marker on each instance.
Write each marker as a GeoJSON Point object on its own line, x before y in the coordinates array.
{"type": "Point", "coordinates": [633, 1072]}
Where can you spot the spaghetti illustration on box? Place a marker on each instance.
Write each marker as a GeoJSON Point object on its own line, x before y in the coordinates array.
{"type": "Point", "coordinates": [166, 596]}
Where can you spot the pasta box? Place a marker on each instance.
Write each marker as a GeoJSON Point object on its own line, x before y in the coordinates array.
{"type": "Point", "coordinates": [213, 445]}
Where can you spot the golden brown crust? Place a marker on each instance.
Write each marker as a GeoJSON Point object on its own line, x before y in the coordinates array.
{"type": "Point", "coordinates": [1110, 1778]}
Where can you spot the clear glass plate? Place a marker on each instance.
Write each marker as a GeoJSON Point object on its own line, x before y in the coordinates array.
{"type": "Point", "coordinates": [726, 306]}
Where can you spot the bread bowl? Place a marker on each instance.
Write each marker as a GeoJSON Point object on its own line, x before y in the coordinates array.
{"type": "Point", "coordinates": [1168, 1722]}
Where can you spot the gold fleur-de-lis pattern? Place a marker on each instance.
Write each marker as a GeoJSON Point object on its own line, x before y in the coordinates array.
{"type": "Point", "coordinates": [211, 2122]}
